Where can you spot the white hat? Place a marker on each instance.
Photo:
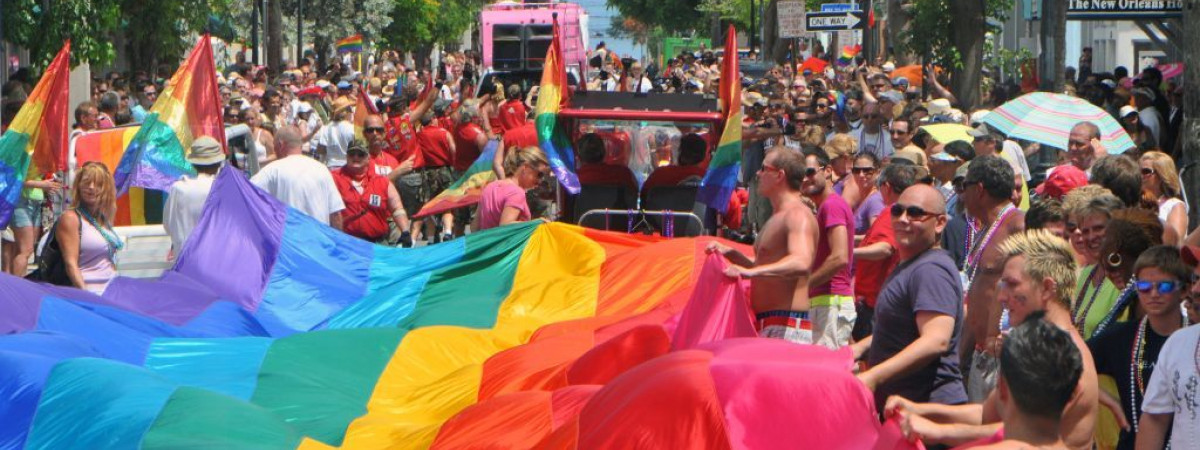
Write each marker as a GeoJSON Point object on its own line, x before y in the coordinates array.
{"type": "Point", "coordinates": [889, 66]}
{"type": "Point", "coordinates": [322, 83]}
{"type": "Point", "coordinates": [977, 116]}
{"type": "Point", "coordinates": [304, 107]}
{"type": "Point", "coordinates": [206, 151]}
{"type": "Point", "coordinates": [1127, 110]}
{"type": "Point", "coordinates": [938, 107]}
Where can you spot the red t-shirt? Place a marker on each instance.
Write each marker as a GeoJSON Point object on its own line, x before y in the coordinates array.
{"type": "Point", "coordinates": [512, 114]}
{"type": "Point", "coordinates": [366, 213]}
{"type": "Point", "coordinates": [870, 275]}
{"type": "Point", "coordinates": [607, 175]}
{"type": "Point", "coordinates": [434, 142]}
{"type": "Point", "coordinates": [523, 136]}
{"type": "Point", "coordinates": [445, 122]}
{"type": "Point", "coordinates": [465, 149]}
{"type": "Point", "coordinates": [383, 164]}
{"type": "Point", "coordinates": [671, 176]}
{"type": "Point", "coordinates": [401, 137]}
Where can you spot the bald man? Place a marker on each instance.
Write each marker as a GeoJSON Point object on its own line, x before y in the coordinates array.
{"type": "Point", "coordinates": [918, 311]}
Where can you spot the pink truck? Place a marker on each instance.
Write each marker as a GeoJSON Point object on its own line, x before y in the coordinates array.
{"type": "Point", "coordinates": [515, 36]}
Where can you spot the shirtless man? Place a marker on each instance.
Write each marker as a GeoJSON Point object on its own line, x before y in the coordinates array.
{"type": "Point", "coordinates": [987, 195]}
{"type": "Point", "coordinates": [783, 253]}
{"type": "Point", "coordinates": [1038, 275]}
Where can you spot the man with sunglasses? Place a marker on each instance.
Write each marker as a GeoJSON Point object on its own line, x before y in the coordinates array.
{"type": "Point", "coordinates": [912, 350]}
{"type": "Point", "coordinates": [830, 288]}
{"type": "Point", "coordinates": [872, 136]}
{"type": "Point", "coordinates": [382, 163]}
{"type": "Point", "coordinates": [370, 199]}
{"type": "Point", "coordinates": [987, 197]}
{"type": "Point", "coordinates": [1172, 395]}
{"type": "Point", "coordinates": [782, 263]}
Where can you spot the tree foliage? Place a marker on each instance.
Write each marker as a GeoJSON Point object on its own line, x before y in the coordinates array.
{"type": "Point", "coordinates": [88, 23]}
{"type": "Point", "coordinates": [671, 15]}
{"type": "Point", "coordinates": [930, 31]}
{"type": "Point", "coordinates": [163, 30]}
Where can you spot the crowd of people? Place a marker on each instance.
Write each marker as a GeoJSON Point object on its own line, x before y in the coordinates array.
{"type": "Point", "coordinates": [984, 283]}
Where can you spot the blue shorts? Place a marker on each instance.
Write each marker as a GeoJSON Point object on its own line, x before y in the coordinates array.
{"type": "Point", "coordinates": [28, 213]}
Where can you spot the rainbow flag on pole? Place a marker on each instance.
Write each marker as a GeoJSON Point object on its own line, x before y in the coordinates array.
{"type": "Point", "coordinates": [552, 94]}
{"type": "Point", "coordinates": [35, 145]}
{"type": "Point", "coordinates": [468, 188]}
{"type": "Point", "coordinates": [188, 108]}
{"type": "Point", "coordinates": [353, 44]}
{"type": "Point", "coordinates": [721, 178]}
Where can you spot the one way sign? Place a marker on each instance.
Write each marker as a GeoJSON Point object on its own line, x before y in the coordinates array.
{"type": "Point", "coordinates": [834, 21]}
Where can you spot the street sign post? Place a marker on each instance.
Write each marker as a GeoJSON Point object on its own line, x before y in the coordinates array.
{"type": "Point", "coordinates": [791, 18]}
{"type": "Point", "coordinates": [835, 21]}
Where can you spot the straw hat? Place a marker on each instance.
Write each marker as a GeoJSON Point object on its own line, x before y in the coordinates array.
{"type": "Point", "coordinates": [341, 104]}
{"type": "Point", "coordinates": [206, 151]}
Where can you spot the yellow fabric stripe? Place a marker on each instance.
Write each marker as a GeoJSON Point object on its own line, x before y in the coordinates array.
{"type": "Point", "coordinates": [436, 371]}
{"type": "Point", "coordinates": [137, 206]}
{"type": "Point", "coordinates": [830, 300]}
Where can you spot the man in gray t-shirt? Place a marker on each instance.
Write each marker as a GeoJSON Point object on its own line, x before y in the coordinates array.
{"type": "Point", "coordinates": [919, 311]}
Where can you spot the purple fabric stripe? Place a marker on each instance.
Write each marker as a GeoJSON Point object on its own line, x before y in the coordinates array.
{"type": "Point", "coordinates": [21, 300]}
{"type": "Point", "coordinates": [237, 239]}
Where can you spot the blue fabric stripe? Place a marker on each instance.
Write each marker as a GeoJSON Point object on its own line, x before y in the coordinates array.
{"type": "Point", "coordinates": [25, 362]}
{"type": "Point", "coordinates": [717, 186]}
{"type": "Point", "coordinates": [95, 403]}
{"type": "Point", "coordinates": [229, 366]}
{"type": "Point", "coordinates": [318, 272]}
{"type": "Point", "coordinates": [398, 276]}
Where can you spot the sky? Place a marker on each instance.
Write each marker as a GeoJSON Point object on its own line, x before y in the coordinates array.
{"type": "Point", "coordinates": [599, 17]}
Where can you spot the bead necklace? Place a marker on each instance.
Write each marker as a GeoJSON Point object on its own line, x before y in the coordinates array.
{"type": "Point", "coordinates": [1123, 299]}
{"type": "Point", "coordinates": [1137, 365]}
{"type": "Point", "coordinates": [110, 237]}
{"type": "Point", "coordinates": [974, 257]}
{"type": "Point", "coordinates": [1081, 319]}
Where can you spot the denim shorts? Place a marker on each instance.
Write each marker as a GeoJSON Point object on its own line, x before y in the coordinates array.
{"type": "Point", "coordinates": [27, 213]}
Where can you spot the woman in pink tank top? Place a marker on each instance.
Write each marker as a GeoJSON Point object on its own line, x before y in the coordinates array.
{"type": "Point", "coordinates": [85, 233]}
{"type": "Point", "coordinates": [503, 201]}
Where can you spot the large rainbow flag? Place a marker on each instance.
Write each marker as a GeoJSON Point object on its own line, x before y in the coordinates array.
{"type": "Point", "coordinates": [468, 188]}
{"type": "Point", "coordinates": [552, 95]}
{"type": "Point", "coordinates": [274, 331]}
{"type": "Point", "coordinates": [35, 144]}
{"type": "Point", "coordinates": [721, 178]}
{"type": "Point", "coordinates": [350, 44]}
{"type": "Point", "coordinates": [137, 206]}
{"type": "Point", "coordinates": [189, 107]}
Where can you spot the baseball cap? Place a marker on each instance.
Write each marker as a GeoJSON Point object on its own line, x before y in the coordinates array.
{"type": "Point", "coordinates": [357, 146]}
{"type": "Point", "coordinates": [1127, 110]}
{"type": "Point", "coordinates": [1144, 91]}
{"type": "Point", "coordinates": [977, 116]}
{"type": "Point", "coordinates": [900, 80]}
{"type": "Point", "coordinates": [1061, 181]}
{"type": "Point", "coordinates": [304, 107]}
{"type": "Point", "coordinates": [1190, 254]}
{"type": "Point", "coordinates": [891, 96]}
{"type": "Point", "coordinates": [343, 84]}
{"type": "Point", "coordinates": [981, 131]}
{"type": "Point", "coordinates": [205, 151]}
{"type": "Point", "coordinates": [889, 66]}
{"type": "Point", "coordinates": [938, 107]}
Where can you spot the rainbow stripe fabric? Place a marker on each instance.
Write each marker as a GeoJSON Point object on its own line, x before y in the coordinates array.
{"type": "Point", "coordinates": [189, 107]}
{"type": "Point", "coordinates": [274, 331]}
{"type": "Point", "coordinates": [138, 206]}
{"type": "Point", "coordinates": [721, 178]}
{"type": "Point", "coordinates": [552, 95]}
{"type": "Point", "coordinates": [468, 188]}
{"type": "Point", "coordinates": [352, 44]}
{"type": "Point", "coordinates": [848, 54]}
{"type": "Point", "coordinates": [35, 144]}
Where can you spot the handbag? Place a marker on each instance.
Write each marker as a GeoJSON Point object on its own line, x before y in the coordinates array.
{"type": "Point", "coordinates": [51, 266]}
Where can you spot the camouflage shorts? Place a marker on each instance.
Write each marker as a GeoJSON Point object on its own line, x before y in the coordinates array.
{"type": "Point", "coordinates": [434, 180]}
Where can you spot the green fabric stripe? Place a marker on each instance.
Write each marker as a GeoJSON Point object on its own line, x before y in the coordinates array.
{"type": "Point", "coordinates": [469, 293]}
{"type": "Point", "coordinates": [319, 382]}
{"type": "Point", "coordinates": [197, 418]}
{"type": "Point", "coordinates": [13, 150]}
{"type": "Point", "coordinates": [727, 155]}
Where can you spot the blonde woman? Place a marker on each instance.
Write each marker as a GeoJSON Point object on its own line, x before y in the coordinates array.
{"type": "Point", "coordinates": [85, 232]}
{"type": "Point", "coordinates": [491, 96]}
{"type": "Point", "coordinates": [1160, 185]}
{"type": "Point", "coordinates": [503, 201]}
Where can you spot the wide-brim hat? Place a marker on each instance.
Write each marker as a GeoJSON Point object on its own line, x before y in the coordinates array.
{"type": "Point", "coordinates": [206, 151]}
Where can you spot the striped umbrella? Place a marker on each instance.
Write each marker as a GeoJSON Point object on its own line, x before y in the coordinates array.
{"type": "Point", "coordinates": [1047, 119]}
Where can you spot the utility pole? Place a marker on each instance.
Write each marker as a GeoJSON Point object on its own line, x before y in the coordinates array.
{"type": "Point", "coordinates": [1189, 130]}
{"type": "Point", "coordinates": [299, 31]}
{"type": "Point", "coordinates": [254, 31]}
{"type": "Point", "coordinates": [1053, 43]}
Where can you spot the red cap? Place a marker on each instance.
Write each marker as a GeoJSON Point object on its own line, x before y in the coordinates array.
{"type": "Point", "coordinates": [312, 90]}
{"type": "Point", "coordinates": [1190, 254]}
{"type": "Point", "coordinates": [1061, 181]}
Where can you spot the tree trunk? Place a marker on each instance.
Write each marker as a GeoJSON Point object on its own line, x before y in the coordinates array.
{"type": "Point", "coordinates": [897, 21]}
{"type": "Point", "coordinates": [1053, 45]}
{"type": "Point", "coordinates": [774, 47]}
{"type": "Point", "coordinates": [275, 35]}
{"type": "Point", "coordinates": [969, 27]}
{"type": "Point", "coordinates": [1189, 130]}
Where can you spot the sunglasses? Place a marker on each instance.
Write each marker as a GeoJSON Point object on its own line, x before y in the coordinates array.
{"type": "Point", "coordinates": [812, 171]}
{"type": "Point", "coordinates": [768, 167]}
{"type": "Point", "coordinates": [822, 106]}
{"type": "Point", "coordinates": [878, 86]}
{"type": "Point", "coordinates": [1147, 171]}
{"type": "Point", "coordinates": [896, 132]}
{"type": "Point", "coordinates": [1163, 287]}
{"type": "Point", "coordinates": [862, 170]}
{"type": "Point", "coordinates": [371, 130]}
{"type": "Point", "coordinates": [915, 213]}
